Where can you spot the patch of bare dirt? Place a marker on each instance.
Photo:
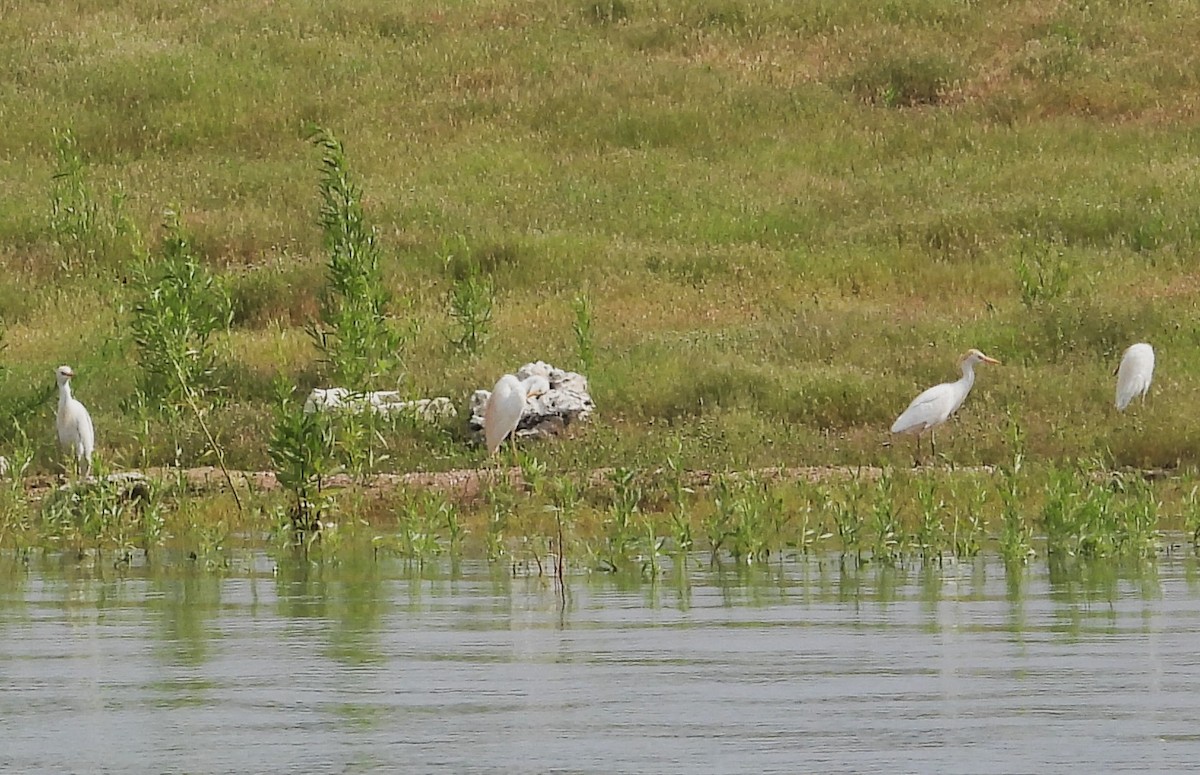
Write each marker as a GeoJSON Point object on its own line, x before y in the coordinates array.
{"type": "Point", "coordinates": [466, 483]}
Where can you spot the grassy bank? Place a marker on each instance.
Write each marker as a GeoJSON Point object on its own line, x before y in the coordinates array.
{"type": "Point", "coordinates": [627, 521]}
{"type": "Point", "coordinates": [786, 218]}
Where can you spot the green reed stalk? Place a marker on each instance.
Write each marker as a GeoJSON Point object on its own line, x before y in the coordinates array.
{"type": "Point", "coordinates": [885, 545]}
{"type": "Point", "coordinates": [681, 524]}
{"type": "Point", "coordinates": [302, 451]}
{"type": "Point", "coordinates": [355, 335]}
{"type": "Point", "coordinates": [967, 539]}
{"type": "Point", "coordinates": [1016, 534]}
{"type": "Point", "coordinates": [931, 530]}
{"type": "Point", "coordinates": [585, 339]}
{"type": "Point", "coordinates": [623, 532]}
{"type": "Point", "coordinates": [847, 516]}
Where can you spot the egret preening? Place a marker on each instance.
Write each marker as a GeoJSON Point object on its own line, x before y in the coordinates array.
{"type": "Point", "coordinates": [935, 405]}
{"type": "Point", "coordinates": [1134, 373]}
{"type": "Point", "coordinates": [506, 404]}
{"type": "Point", "coordinates": [74, 423]}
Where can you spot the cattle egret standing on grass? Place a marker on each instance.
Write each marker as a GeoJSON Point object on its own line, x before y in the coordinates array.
{"type": "Point", "coordinates": [505, 406]}
{"type": "Point", "coordinates": [1134, 373]}
{"type": "Point", "coordinates": [934, 406]}
{"type": "Point", "coordinates": [74, 423]}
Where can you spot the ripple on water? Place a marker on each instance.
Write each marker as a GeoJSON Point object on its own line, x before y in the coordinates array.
{"type": "Point", "coordinates": [796, 667]}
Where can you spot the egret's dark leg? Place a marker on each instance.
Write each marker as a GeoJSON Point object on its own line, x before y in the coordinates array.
{"type": "Point", "coordinates": [932, 444]}
{"type": "Point", "coordinates": [512, 444]}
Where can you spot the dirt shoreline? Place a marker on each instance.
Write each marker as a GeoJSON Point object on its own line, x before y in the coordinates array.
{"type": "Point", "coordinates": [464, 483]}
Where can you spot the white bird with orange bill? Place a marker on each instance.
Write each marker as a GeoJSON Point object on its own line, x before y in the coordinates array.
{"type": "Point", "coordinates": [935, 405]}
{"type": "Point", "coordinates": [73, 423]}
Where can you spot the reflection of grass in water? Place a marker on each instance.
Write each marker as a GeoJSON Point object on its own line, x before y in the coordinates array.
{"type": "Point", "coordinates": [364, 716]}
{"type": "Point", "coordinates": [352, 598]}
{"type": "Point", "coordinates": [184, 692]}
{"type": "Point", "coordinates": [188, 605]}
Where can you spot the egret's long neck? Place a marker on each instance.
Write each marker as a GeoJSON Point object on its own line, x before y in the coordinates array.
{"type": "Point", "coordinates": [968, 375]}
{"type": "Point", "coordinates": [64, 392]}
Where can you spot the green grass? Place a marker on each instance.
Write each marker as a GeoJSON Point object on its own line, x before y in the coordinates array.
{"type": "Point", "coordinates": [788, 218]}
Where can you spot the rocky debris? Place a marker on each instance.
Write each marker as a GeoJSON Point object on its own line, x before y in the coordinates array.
{"type": "Point", "coordinates": [384, 402]}
{"type": "Point", "coordinates": [567, 401]}
{"type": "Point", "coordinates": [128, 485]}
{"type": "Point", "coordinates": [428, 409]}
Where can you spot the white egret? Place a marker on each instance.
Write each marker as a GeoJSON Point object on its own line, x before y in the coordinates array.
{"type": "Point", "coordinates": [935, 405]}
{"type": "Point", "coordinates": [74, 423]}
{"type": "Point", "coordinates": [1134, 373]}
{"type": "Point", "coordinates": [506, 404]}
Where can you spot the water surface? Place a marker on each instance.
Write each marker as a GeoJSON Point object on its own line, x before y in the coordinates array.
{"type": "Point", "coordinates": [291, 666]}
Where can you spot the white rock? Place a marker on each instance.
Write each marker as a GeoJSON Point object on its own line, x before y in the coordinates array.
{"type": "Point", "coordinates": [384, 402]}
{"type": "Point", "coordinates": [323, 400]}
{"type": "Point", "coordinates": [425, 409]}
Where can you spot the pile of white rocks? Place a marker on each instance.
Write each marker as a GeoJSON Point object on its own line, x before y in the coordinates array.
{"type": "Point", "coordinates": [566, 402]}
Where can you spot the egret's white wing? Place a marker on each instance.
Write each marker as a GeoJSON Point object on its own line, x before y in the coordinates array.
{"type": "Point", "coordinates": [929, 408]}
{"type": "Point", "coordinates": [1134, 374]}
{"type": "Point", "coordinates": [503, 411]}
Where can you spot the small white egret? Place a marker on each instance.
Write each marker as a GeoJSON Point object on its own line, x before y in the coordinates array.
{"type": "Point", "coordinates": [506, 405]}
{"type": "Point", "coordinates": [74, 423]}
{"type": "Point", "coordinates": [1134, 373]}
{"type": "Point", "coordinates": [935, 405]}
